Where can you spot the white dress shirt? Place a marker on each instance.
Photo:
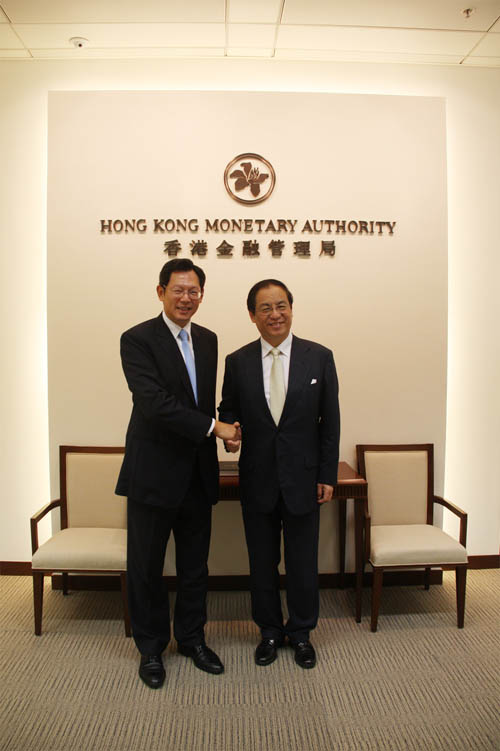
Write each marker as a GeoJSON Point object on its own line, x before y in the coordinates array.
{"type": "Point", "coordinates": [285, 349]}
{"type": "Point", "coordinates": [175, 330]}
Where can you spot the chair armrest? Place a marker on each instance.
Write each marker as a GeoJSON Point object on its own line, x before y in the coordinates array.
{"type": "Point", "coordinates": [36, 518]}
{"type": "Point", "coordinates": [458, 512]}
{"type": "Point", "coordinates": [367, 525]}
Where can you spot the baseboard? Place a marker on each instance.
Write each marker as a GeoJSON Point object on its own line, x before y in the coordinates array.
{"type": "Point", "coordinates": [484, 561]}
{"type": "Point", "coordinates": [15, 568]}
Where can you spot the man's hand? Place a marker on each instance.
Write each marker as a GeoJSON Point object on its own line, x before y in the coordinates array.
{"type": "Point", "coordinates": [324, 492]}
{"type": "Point", "coordinates": [232, 446]}
{"type": "Point", "coordinates": [228, 432]}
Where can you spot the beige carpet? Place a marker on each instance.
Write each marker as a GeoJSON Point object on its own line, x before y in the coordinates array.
{"type": "Point", "coordinates": [418, 683]}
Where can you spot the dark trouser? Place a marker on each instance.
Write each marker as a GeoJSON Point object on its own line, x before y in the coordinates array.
{"type": "Point", "coordinates": [149, 529]}
{"type": "Point", "coordinates": [301, 536]}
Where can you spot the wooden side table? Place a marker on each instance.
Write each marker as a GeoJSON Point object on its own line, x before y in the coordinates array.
{"type": "Point", "coordinates": [349, 485]}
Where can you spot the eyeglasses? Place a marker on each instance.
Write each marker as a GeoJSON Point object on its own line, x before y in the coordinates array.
{"type": "Point", "coordinates": [266, 309]}
{"type": "Point", "coordinates": [193, 293]}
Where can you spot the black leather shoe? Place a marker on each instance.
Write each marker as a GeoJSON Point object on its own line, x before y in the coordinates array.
{"type": "Point", "coordinates": [152, 671]}
{"type": "Point", "coordinates": [203, 657]}
{"type": "Point", "coordinates": [305, 656]}
{"type": "Point", "coordinates": [267, 651]}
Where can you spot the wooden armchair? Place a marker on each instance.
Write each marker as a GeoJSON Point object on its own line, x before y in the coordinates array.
{"type": "Point", "coordinates": [399, 531]}
{"type": "Point", "coordinates": [93, 535]}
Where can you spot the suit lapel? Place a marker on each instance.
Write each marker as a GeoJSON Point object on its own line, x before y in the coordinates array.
{"type": "Point", "coordinates": [254, 377]}
{"type": "Point", "coordinates": [200, 357]}
{"type": "Point", "coordinates": [297, 375]}
{"type": "Point", "coordinates": [175, 359]}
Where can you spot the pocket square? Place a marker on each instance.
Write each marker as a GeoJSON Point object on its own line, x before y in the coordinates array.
{"type": "Point", "coordinates": [314, 380]}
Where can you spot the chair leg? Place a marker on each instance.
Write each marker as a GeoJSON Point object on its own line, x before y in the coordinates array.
{"type": "Point", "coordinates": [378, 574]}
{"type": "Point", "coordinates": [65, 583]}
{"type": "Point", "coordinates": [427, 577]}
{"type": "Point", "coordinates": [38, 600]}
{"type": "Point", "coordinates": [126, 614]}
{"type": "Point", "coordinates": [461, 579]}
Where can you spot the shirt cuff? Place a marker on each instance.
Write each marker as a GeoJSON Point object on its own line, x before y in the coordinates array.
{"type": "Point", "coordinates": [212, 426]}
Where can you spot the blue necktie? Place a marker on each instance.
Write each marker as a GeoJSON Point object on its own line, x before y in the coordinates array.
{"type": "Point", "coordinates": [189, 360]}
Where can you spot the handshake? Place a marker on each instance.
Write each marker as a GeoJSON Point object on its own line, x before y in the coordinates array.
{"type": "Point", "coordinates": [230, 434]}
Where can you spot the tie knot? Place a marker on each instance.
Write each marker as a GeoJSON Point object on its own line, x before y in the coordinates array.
{"type": "Point", "coordinates": [275, 352]}
{"type": "Point", "coordinates": [183, 335]}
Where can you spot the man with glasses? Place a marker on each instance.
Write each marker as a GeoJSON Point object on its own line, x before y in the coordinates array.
{"type": "Point", "coordinates": [170, 470]}
{"type": "Point", "coordinates": [284, 392]}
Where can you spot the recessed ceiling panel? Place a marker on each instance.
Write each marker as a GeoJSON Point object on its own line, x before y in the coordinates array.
{"type": "Point", "coordinates": [482, 62]}
{"type": "Point", "coordinates": [53, 36]}
{"type": "Point", "coordinates": [425, 14]}
{"type": "Point", "coordinates": [420, 31]}
{"type": "Point", "coordinates": [251, 35]}
{"type": "Point", "coordinates": [249, 52]}
{"type": "Point", "coordinates": [365, 56]}
{"type": "Point", "coordinates": [109, 11]}
{"type": "Point", "coordinates": [254, 11]}
{"type": "Point", "coordinates": [9, 54]}
{"type": "Point", "coordinates": [128, 53]}
{"type": "Point", "coordinates": [489, 46]}
{"type": "Point", "coordinates": [8, 40]}
{"type": "Point", "coordinates": [381, 40]}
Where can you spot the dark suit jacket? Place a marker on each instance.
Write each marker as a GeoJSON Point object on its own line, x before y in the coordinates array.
{"type": "Point", "coordinates": [303, 450]}
{"type": "Point", "coordinates": [167, 431]}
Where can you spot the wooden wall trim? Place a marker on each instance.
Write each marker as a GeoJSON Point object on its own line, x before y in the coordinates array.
{"type": "Point", "coordinates": [15, 568]}
{"type": "Point", "coordinates": [484, 561]}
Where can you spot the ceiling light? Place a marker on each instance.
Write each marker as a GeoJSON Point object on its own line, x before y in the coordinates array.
{"type": "Point", "coordinates": [78, 42]}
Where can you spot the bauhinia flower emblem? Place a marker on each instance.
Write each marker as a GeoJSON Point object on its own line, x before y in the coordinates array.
{"type": "Point", "coordinates": [251, 177]}
{"type": "Point", "coordinates": [253, 173]}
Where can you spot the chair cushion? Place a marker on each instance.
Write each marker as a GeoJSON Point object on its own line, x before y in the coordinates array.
{"type": "Point", "coordinates": [413, 544]}
{"type": "Point", "coordinates": [90, 490]}
{"type": "Point", "coordinates": [397, 486]}
{"type": "Point", "coordinates": [84, 548]}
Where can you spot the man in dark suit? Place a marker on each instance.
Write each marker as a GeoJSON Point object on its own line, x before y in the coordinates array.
{"type": "Point", "coordinates": [170, 470]}
{"type": "Point", "coordinates": [284, 392]}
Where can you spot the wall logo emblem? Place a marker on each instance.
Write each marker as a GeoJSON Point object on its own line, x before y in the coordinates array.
{"type": "Point", "coordinates": [249, 178]}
